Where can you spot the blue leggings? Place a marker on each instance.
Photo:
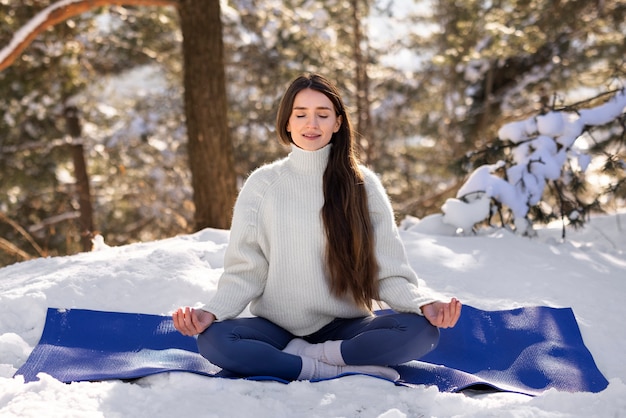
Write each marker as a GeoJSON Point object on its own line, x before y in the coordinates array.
{"type": "Point", "coordinates": [252, 346]}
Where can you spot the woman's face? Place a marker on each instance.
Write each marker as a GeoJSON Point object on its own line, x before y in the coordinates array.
{"type": "Point", "coordinates": [313, 120]}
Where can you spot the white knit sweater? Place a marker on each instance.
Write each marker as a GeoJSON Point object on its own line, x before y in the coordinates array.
{"type": "Point", "coordinates": [275, 258]}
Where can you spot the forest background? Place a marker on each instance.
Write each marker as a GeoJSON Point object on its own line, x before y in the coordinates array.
{"type": "Point", "coordinates": [138, 120]}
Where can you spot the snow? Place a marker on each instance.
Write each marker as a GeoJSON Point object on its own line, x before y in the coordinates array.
{"type": "Point", "coordinates": [495, 269]}
{"type": "Point", "coordinates": [550, 124]}
{"type": "Point", "coordinates": [465, 215]}
{"type": "Point", "coordinates": [544, 145]}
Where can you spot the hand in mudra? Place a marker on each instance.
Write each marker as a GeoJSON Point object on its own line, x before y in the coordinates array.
{"type": "Point", "coordinates": [443, 314]}
{"type": "Point", "coordinates": [189, 321]}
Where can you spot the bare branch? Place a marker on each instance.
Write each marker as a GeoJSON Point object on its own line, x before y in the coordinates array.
{"type": "Point", "coordinates": [38, 145]}
{"type": "Point", "coordinates": [34, 229]}
{"type": "Point", "coordinates": [11, 249]}
{"type": "Point", "coordinates": [57, 13]}
{"type": "Point", "coordinates": [23, 233]}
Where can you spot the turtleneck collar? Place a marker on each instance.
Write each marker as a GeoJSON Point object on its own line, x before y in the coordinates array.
{"type": "Point", "coordinates": [309, 161]}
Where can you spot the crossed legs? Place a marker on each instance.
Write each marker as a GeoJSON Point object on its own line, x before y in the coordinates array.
{"type": "Point", "coordinates": [253, 346]}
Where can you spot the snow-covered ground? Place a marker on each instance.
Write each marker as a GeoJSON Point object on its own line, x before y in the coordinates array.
{"type": "Point", "coordinates": [495, 270]}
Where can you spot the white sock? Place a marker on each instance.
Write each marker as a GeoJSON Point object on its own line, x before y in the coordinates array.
{"type": "Point", "coordinates": [316, 369]}
{"type": "Point", "coordinates": [329, 351]}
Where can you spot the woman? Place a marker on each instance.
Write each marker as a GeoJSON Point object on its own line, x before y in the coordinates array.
{"type": "Point", "coordinates": [313, 242]}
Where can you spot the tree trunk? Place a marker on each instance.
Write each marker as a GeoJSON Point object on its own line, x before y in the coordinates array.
{"type": "Point", "coordinates": [83, 189]}
{"type": "Point", "coordinates": [210, 147]}
{"type": "Point", "coordinates": [363, 121]}
{"type": "Point", "coordinates": [84, 196]}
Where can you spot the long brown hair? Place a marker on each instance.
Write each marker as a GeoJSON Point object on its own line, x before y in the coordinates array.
{"type": "Point", "coordinates": [350, 254]}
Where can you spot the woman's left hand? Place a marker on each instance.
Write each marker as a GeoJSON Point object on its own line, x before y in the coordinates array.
{"type": "Point", "coordinates": [442, 314]}
{"type": "Point", "coordinates": [190, 322]}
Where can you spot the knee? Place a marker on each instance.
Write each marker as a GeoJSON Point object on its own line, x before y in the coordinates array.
{"type": "Point", "coordinates": [204, 346]}
{"type": "Point", "coordinates": [432, 335]}
{"type": "Point", "coordinates": [425, 335]}
{"type": "Point", "coordinates": [210, 344]}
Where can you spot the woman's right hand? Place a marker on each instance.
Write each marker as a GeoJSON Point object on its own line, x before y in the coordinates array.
{"type": "Point", "coordinates": [189, 321]}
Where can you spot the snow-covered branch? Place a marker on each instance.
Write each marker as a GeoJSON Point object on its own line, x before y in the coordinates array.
{"type": "Point", "coordinates": [57, 13]}
{"type": "Point", "coordinates": [540, 147]}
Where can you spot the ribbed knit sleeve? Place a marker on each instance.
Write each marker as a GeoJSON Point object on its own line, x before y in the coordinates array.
{"type": "Point", "coordinates": [245, 264]}
{"type": "Point", "coordinates": [398, 284]}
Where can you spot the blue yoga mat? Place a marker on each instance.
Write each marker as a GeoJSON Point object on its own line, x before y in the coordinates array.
{"type": "Point", "coordinates": [525, 350]}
